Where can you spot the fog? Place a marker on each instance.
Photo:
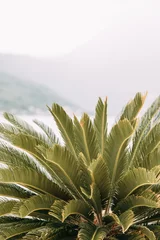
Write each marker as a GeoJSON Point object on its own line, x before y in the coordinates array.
{"type": "Point", "coordinates": [116, 58]}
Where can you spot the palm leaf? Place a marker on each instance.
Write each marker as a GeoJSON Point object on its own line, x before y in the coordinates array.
{"type": "Point", "coordinates": [47, 130]}
{"type": "Point", "coordinates": [125, 220]}
{"type": "Point", "coordinates": [100, 125]}
{"type": "Point", "coordinates": [6, 205]}
{"type": "Point", "coordinates": [66, 167]}
{"type": "Point", "coordinates": [77, 207]}
{"type": "Point", "coordinates": [15, 228]}
{"type": "Point", "coordinates": [134, 179]}
{"type": "Point", "coordinates": [65, 125]}
{"type": "Point", "coordinates": [26, 128]}
{"type": "Point", "coordinates": [15, 191]}
{"type": "Point", "coordinates": [89, 232]}
{"type": "Point", "coordinates": [134, 201]}
{"type": "Point", "coordinates": [41, 183]}
{"type": "Point", "coordinates": [86, 138]}
{"type": "Point", "coordinates": [34, 203]}
{"type": "Point", "coordinates": [100, 173]}
{"type": "Point", "coordinates": [150, 142]}
{"type": "Point", "coordinates": [143, 128]}
{"type": "Point", "coordinates": [146, 232]}
{"type": "Point", "coordinates": [57, 208]}
{"type": "Point", "coordinates": [152, 160]}
{"type": "Point", "coordinates": [133, 107]}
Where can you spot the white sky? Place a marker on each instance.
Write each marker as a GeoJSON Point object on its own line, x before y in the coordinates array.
{"type": "Point", "coordinates": [55, 27]}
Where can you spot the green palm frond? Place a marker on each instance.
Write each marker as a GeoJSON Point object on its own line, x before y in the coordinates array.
{"type": "Point", "coordinates": [134, 201]}
{"type": "Point", "coordinates": [34, 203]}
{"type": "Point", "coordinates": [100, 173]}
{"type": "Point", "coordinates": [76, 207]}
{"type": "Point", "coordinates": [134, 179]}
{"type": "Point", "coordinates": [63, 164]}
{"type": "Point", "coordinates": [146, 232]}
{"type": "Point", "coordinates": [65, 125]}
{"type": "Point", "coordinates": [150, 142]}
{"type": "Point", "coordinates": [91, 186]}
{"type": "Point", "coordinates": [89, 232]}
{"type": "Point", "coordinates": [86, 138]}
{"type": "Point", "coordinates": [143, 128]}
{"type": "Point", "coordinates": [14, 191]}
{"type": "Point", "coordinates": [133, 107]}
{"type": "Point", "coordinates": [26, 128]}
{"type": "Point", "coordinates": [125, 220]}
{"type": "Point", "coordinates": [31, 179]}
{"type": "Point", "coordinates": [48, 131]}
{"type": "Point", "coordinates": [12, 229]}
{"type": "Point", "coordinates": [152, 159]}
{"type": "Point", "coordinates": [100, 125]}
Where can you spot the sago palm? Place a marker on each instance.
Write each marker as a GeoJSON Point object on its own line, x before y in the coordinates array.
{"type": "Point", "coordinates": [95, 185]}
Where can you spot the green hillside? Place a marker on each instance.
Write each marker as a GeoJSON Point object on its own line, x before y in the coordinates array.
{"type": "Point", "coordinates": [21, 96]}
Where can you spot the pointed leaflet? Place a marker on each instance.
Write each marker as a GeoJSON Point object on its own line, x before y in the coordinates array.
{"type": "Point", "coordinates": [134, 201]}
{"type": "Point", "coordinates": [152, 160]}
{"type": "Point", "coordinates": [26, 128]}
{"type": "Point", "coordinates": [134, 179]}
{"type": "Point", "coordinates": [15, 191]}
{"type": "Point", "coordinates": [86, 138]}
{"type": "Point", "coordinates": [125, 220]}
{"type": "Point", "coordinates": [143, 128]}
{"type": "Point", "coordinates": [100, 172]}
{"type": "Point", "coordinates": [146, 232]}
{"type": "Point", "coordinates": [77, 207]}
{"type": "Point", "coordinates": [12, 229]}
{"type": "Point", "coordinates": [56, 209]}
{"type": "Point", "coordinates": [149, 143]}
{"type": "Point", "coordinates": [37, 202]}
{"type": "Point", "coordinates": [65, 125]}
{"type": "Point", "coordinates": [25, 176]}
{"type": "Point", "coordinates": [48, 131]}
{"type": "Point", "coordinates": [133, 107]}
{"type": "Point", "coordinates": [66, 167]}
{"type": "Point", "coordinates": [6, 205]}
{"type": "Point", "coordinates": [90, 232]}
{"type": "Point", "coordinates": [116, 139]}
{"type": "Point", "coordinates": [100, 124]}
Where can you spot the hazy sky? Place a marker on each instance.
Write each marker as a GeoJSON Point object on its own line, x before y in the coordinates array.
{"type": "Point", "coordinates": [55, 27]}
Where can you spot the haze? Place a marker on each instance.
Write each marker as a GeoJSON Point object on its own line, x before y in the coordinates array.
{"type": "Point", "coordinates": [83, 49]}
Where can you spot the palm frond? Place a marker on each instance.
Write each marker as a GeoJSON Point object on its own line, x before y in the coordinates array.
{"type": "Point", "coordinates": [134, 179]}
{"type": "Point", "coordinates": [133, 107]}
{"type": "Point", "coordinates": [34, 203]}
{"type": "Point", "coordinates": [86, 138]}
{"type": "Point", "coordinates": [143, 128]}
{"type": "Point", "coordinates": [41, 183]}
{"type": "Point", "coordinates": [48, 131]}
{"type": "Point", "coordinates": [100, 125]}
{"type": "Point", "coordinates": [12, 229]}
{"type": "Point", "coordinates": [26, 128]}
{"type": "Point", "coordinates": [65, 125]}
{"type": "Point", "coordinates": [89, 232]}
{"type": "Point", "coordinates": [76, 207]}
{"type": "Point", "coordinates": [66, 167]}
{"type": "Point", "coordinates": [14, 191]}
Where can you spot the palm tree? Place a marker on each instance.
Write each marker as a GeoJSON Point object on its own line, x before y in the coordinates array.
{"type": "Point", "coordinates": [95, 185]}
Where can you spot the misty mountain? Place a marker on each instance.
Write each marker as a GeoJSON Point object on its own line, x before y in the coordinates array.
{"type": "Point", "coordinates": [19, 96]}
{"type": "Point", "coordinates": [116, 63]}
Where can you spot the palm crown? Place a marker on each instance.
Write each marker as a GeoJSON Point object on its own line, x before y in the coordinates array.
{"type": "Point", "coordinates": [95, 185]}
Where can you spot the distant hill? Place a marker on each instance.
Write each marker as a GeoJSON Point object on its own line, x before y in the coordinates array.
{"type": "Point", "coordinates": [20, 96]}
{"type": "Point", "coordinates": [118, 62]}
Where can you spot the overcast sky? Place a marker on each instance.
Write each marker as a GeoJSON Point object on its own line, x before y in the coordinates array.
{"type": "Point", "coordinates": [56, 27]}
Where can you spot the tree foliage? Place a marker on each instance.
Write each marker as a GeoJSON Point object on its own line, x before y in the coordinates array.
{"type": "Point", "coordinates": [95, 185]}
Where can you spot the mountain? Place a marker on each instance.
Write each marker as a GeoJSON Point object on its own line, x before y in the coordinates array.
{"type": "Point", "coordinates": [20, 96]}
{"type": "Point", "coordinates": [120, 61]}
